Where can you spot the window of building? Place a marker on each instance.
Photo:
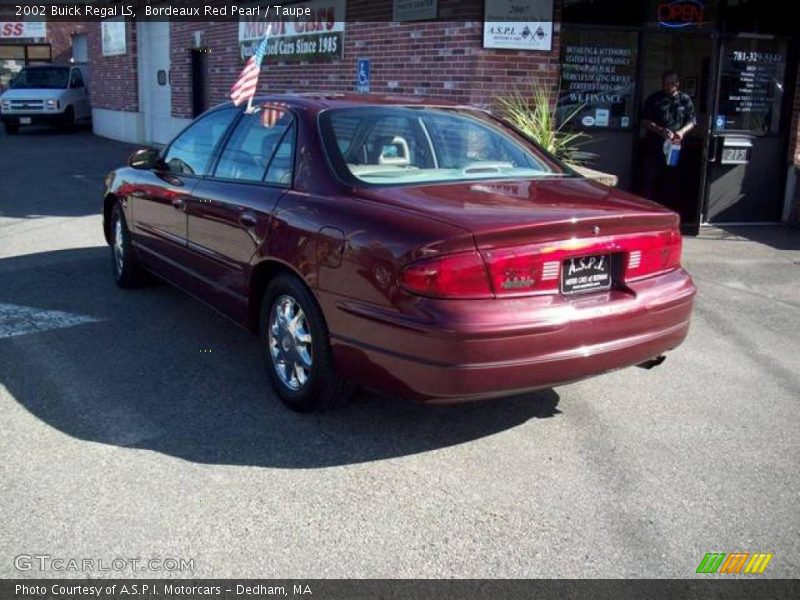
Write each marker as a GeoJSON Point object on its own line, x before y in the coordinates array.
{"type": "Point", "coordinates": [598, 78]}
{"type": "Point", "coordinates": [751, 86]}
{"type": "Point", "coordinates": [80, 48]}
{"type": "Point", "coordinates": [39, 54]}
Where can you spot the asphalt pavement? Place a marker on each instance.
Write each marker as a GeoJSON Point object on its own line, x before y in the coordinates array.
{"type": "Point", "coordinates": [139, 424]}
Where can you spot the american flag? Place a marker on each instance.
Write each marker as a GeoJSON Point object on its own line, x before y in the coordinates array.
{"type": "Point", "coordinates": [245, 87]}
{"type": "Point", "coordinates": [270, 115]}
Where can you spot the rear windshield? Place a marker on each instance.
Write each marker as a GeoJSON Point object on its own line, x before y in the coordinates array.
{"type": "Point", "coordinates": [41, 77]}
{"type": "Point", "coordinates": [394, 145]}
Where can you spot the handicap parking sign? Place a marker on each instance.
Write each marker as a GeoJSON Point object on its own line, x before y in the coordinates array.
{"type": "Point", "coordinates": [720, 123]}
{"type": "Point", "coordinates": [362, 76]}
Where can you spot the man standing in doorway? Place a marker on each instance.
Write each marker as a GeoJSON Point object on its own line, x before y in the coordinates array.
{"type": "Point", "coordinates": [668, 114]}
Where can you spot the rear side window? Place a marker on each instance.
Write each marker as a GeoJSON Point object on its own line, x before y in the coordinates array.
{"type": "Point", "coordinates": [191, 152]}
{"type": "Point", "coordinates": [282, 165]}
{"type": "Point", "coordinates": [252, 145]}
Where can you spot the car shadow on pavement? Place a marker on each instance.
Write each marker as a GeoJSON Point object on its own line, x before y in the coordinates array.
{"type": "Point", "coordinates": [49, 172]}
{"type": "Point", "coordinates": [157, 370]}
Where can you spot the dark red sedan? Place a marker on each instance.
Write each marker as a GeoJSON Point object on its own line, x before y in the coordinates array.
{"type": "Point", "coordinates": [421, 249]}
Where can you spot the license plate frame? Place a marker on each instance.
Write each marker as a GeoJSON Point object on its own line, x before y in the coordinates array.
{"type": "Point", "coordinates": [25, 121]}
{"type": "Point", "coordinates": [585, 274]}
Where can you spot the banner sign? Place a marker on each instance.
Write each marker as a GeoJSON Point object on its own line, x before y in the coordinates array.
{"type": "Point", "coordinates": [318, 37]}
{"type": "Point", "coordinates": [414, 10]}
{"type": "Point", "coordinates": [22, 29]}
{"type": "Point", "coordinates": [113, 36]}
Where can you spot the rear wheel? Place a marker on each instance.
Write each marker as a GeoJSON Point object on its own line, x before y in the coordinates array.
{"type": "Point", "coordinates": [127, 269]}
{"type": "Point", "coordinates": [11, 128]}
{"type": "Point", "coordinates": [296, 348]}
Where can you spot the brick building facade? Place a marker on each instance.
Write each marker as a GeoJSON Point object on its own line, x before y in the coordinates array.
{"type": "Point", "coordinates": [148, 91]}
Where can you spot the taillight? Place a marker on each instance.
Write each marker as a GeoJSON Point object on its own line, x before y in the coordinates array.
{"type": "Point", "coordinates": [451, 276]}
{"type": "Point", "coordinates": [653, 254]}
{"type": "Point", "coordinates": [536, 268]}
{"type": "Point", "coordinates": [523, 271]}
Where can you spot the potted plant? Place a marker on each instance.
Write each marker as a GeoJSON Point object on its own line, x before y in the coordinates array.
{"type": "Point", "coordinates": [534, 116]}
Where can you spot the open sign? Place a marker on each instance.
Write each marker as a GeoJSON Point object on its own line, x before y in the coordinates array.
{"type": "Point", "coordinates": [681, 13]}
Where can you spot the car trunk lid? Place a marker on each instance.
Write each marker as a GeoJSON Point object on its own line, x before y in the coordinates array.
{"type": "Point", "coordinates": [504, 213]}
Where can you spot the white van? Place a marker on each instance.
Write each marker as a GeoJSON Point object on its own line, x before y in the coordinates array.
{"type": "Point", "coordinates": [53, 94]}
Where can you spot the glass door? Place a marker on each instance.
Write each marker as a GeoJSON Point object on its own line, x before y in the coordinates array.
{"type": "Point", "coordinates": [690, 54]}
{"type": "Point", "coordinates": [746, 166]}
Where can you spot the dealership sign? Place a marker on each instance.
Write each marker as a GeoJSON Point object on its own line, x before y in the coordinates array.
{"type": "Point", "coordinates": [414, 10]}
{"type": "Point", "coordinates": [317, 36]}
{"type": "Point", "coordinates": [518, 24]}
{"type": "Point", "coordinates": [22, 29]}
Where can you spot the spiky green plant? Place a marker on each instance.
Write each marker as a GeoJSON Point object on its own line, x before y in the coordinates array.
{"type": "Point", "coordinates": [533, 115]}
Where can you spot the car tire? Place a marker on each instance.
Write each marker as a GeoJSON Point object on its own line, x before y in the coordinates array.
{"type": "Point", "coordinates": [296, 348]}
{"type": "Point", "coordinates": [11, 128]}
{"type": "Point", "coordinates": [126, 268]}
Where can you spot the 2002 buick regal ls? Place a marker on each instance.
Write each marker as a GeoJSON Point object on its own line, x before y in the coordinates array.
{"type": "Point", "coordinates": [414, 248]}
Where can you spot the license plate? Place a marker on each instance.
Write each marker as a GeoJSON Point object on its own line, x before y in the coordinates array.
{"type": "Point", "coordinates": [24, 120]}
{"type": "Point", "coordinates": [586, 274]}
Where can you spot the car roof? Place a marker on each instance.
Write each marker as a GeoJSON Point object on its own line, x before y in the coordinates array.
{"type": "Point", "coordinates": [319, 101]}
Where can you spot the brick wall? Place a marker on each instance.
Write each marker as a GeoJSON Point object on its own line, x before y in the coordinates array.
{"type": "Point", "coordinates": [439, 59]}
{"type": "Point", "coordinates": [59, 35]}
{"type": "Point", "coordinates": [115, 81]}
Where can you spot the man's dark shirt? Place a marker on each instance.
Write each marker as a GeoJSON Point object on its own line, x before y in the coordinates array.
{"type": "Point", "coordinates": [672, 112]}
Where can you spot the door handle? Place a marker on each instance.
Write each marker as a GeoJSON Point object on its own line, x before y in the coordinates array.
{"type": "Point", "coordinates": [178, 203]}
{"type": "Point", "coordinates": [138, 194]}
{"type": "Point", "coordinates": [248, 219]}
{"type": "Point", "coordinates": [712, 149]}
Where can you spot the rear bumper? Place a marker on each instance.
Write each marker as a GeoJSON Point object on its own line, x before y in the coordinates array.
{"type": "Point", "coordinates": [476, 349]}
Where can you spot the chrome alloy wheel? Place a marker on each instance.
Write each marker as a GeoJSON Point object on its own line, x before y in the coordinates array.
{"type": "Point", "coordinates": [290, 343]}
{"type": "Point", "coordinates": [119, 248]}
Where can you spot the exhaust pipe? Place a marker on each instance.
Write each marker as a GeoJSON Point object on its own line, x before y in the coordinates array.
{"type": "Point", "coordinates": [653, 362]}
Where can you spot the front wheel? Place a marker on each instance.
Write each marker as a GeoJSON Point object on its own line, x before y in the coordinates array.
{"type": "Point", "coordinates": [68, 120]}
{"type": "Point", "coordinates": [11, 128]}
{"type": "Point", "coordinates": [127, 270]}
{"type": "Point", "coordinates": [296, 348]}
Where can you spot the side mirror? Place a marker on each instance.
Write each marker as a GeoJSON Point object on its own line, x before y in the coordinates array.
{"type": "Point", "coordinates": [145, 159]}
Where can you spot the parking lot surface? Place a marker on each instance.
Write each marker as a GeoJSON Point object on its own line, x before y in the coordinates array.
{"type": "Point", "coordinates": [139, 424]}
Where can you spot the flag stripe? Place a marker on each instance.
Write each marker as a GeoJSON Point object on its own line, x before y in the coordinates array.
{"type": "Point", "coordinates": [245, 87]}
